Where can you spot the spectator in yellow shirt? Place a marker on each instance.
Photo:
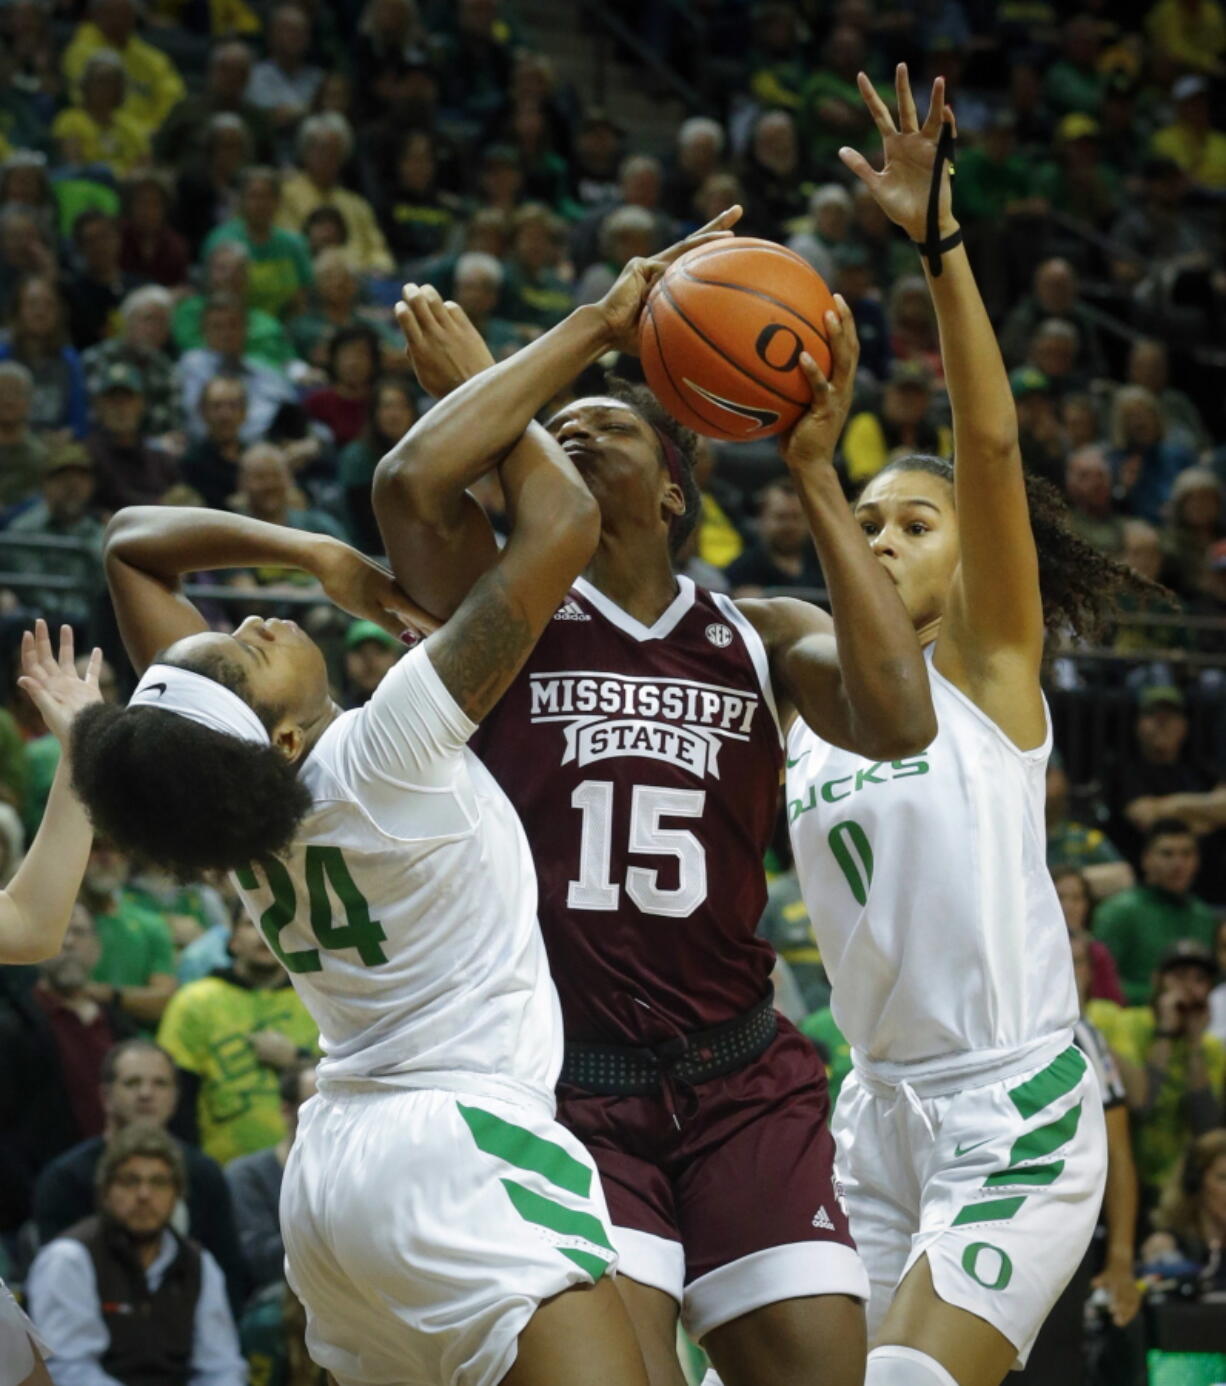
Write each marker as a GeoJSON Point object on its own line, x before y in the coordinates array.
{"type": "Point", "coordinates": [153, 85]}
{"type": "Point", "coordinates": [902, 425]}
{"type": "Point", "coordinates": [1189, 34]}
{"type": "Point", "coordinates": [1190, 140]}
{"type": "Point", "coordinates": [97, 131]}
{"type": "Point", "coordinates": [324, 144]}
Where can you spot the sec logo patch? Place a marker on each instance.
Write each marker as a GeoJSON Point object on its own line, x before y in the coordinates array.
{"type": "Point", "coordinates": [719, 635]}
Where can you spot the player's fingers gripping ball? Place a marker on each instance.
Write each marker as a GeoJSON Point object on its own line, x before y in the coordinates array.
{"type": "Point", "coordinates": [722, 334]}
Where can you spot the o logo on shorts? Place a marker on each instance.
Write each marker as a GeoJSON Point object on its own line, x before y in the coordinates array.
{"type": "Point", "coordinates": [1004, 1267]}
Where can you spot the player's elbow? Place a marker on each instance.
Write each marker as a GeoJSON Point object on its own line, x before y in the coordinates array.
{"type": "Point", "coordinates": [403, 480]}
{"type": "Point", "coordinates": [125, 527]}
{"type": "Point", "coordinates": [906, 732]}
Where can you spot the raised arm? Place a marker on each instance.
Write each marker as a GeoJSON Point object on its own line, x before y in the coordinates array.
{"type": "Point", "coordinates": [991, 640]}
{"type": "Point", "coordinates": [149, 548]}
{"type": "Point", "coordinates": [35, 908]}
{"type": "Point", "coordinates": [435, 535]}
{"type": "Point", "coordinates": [858, 679]}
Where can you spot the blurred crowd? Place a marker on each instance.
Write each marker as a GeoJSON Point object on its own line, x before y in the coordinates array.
{"type": "Point", "coordinates": [207, 208]}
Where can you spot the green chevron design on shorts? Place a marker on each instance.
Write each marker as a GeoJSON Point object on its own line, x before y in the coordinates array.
{"type": "Point", "coordinates": [526, 1150]}
{"type": "Point", "coordinates": [990, 1210]}
{"type": "Point", "coordinates": [1044, 1139]}
{"type": "Point", "coordinates": [594, 1266]}
{"type": "Point", "coordinates": [557, 1217]}
{"type": "Point", "coordinates": [1060, 1076]}
{"type": "Point", "coordinates": [1032, 1174]}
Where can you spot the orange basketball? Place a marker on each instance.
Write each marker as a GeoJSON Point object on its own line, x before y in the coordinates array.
{"type": "Point", "coordinates": [722, 333]}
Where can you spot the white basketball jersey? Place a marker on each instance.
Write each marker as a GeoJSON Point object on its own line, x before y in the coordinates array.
{"type": "Point", "coordinates": [406, 911]}
{"type": "Point", "coordinates": [927, 883]}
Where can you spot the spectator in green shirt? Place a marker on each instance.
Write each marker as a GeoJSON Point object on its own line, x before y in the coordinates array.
{"type": "Point", "coordinates": [279, 264]}
{"type": "Point", "coordinates": [1074, 82]}
{"type": "Point", "coordinates": [1173, 1068]}
{"type": "Point", "coordinates": [994, 180]}
{"type": "Point", "coordinates": [227, 269]}
{"type": "Point", "coordinates": [1140, 924]}
{"type": "Point", "coordinates": [136, 971]}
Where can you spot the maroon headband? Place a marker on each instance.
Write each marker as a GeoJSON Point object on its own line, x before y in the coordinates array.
{"type": "Point", "coordinates": [672, 458]}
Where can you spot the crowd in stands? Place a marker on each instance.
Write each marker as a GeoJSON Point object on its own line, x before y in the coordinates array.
{"type": "Point", "coordinates": [207, 208]}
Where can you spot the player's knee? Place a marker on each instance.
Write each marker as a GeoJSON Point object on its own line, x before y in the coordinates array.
{"type": "Point", "coordinates": [894, 1365]}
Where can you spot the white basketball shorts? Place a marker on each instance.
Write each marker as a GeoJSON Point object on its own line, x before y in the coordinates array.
{"type": "Point", "coordinates": [423, 1229]}
{"type": "Point", "coordinates": [999, 1185]}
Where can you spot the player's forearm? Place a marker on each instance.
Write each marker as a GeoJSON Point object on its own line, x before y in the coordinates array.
{"type": "Point", "coordinates": [1203, 813]}
{"type": "Point", "coordinates": [984, 415]}
{"type": "Point", "coordinates": [146, 1004]}
{"type": "Point", "coordinates": [470, 429]}
{"type": "Point", "coordinates": [882, 666]}
{"type": "Point", "coordinates": [167, 541]}
{"type": "Point", "coordinates": [1120, 1196]}
{"type": "Point", "coordinates": [34, 911]}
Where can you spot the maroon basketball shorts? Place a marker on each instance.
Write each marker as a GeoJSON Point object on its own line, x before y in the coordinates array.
{"type": "Point", "coordinates": [725, 1195]}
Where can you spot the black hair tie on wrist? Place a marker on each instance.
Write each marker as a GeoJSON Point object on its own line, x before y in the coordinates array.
{"type": "Point", "coordinates": [932, 246]}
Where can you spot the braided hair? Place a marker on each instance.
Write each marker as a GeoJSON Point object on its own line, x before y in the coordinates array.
{"type": "Point", "coordinates": [1079, 584]}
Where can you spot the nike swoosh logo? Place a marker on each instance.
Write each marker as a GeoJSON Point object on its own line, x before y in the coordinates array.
{"type": "Point", "coordinates": [961, 1150]}
{"type": "Point", "coordinates": [156, 687]}
{"type": "Point", "coordinates": [799, 758]}
{"type": "Point", "coordinates": [761, 418]}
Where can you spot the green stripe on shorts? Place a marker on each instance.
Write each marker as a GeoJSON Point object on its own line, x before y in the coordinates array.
{"type": "Point", "coordinates": [557, 1217]}
{"type": "Point", "coordinates": [1032, 1174]}
{"type": "Point", "coordinates": [1060, 1076]}
{"type": "Point", "coordinates": [526, 1150]}
{"type": "Point", "coordinates": [990, 1210]}
{"type": "Point", "coordinates": [594, 1265]}
{"type": "Point", "coordinates": [1044, 1139]}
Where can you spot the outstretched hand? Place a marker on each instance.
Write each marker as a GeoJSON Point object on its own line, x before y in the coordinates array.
{"type": "Point", "coordinates": [814, 439]}
{"type": "Point", "coordinates": [52, 681]}
{"type": "Point", "coordinates": [903, 186]}
{"type": "Point", "coordinates": [623, 304]}
{"type": "Point", "coordinates": [443, 345]}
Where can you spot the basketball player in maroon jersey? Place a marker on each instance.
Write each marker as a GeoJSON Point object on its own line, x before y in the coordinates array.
{"type": "Point", "coordinates": [641, 748]}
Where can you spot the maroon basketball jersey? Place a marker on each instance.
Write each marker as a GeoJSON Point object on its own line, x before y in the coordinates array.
{"type": "Point", "coordinates": [644, 763]}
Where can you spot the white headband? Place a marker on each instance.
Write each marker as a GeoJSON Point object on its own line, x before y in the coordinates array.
{"type": "Point", "coordinates": [199, 699]}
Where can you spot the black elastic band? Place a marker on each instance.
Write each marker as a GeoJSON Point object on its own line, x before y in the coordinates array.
{"type": "Point", "coordinates": [932, 246]}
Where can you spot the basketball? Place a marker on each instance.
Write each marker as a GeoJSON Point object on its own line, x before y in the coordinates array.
{"type": "Point", "coordinates": [722, 333]}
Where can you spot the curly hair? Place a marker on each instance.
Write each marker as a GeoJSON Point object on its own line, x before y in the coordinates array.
{"type": "Point", "coordinates": [652, 412]}
{"type": "Point", "coordinates": [1179, 1208]}
{"type": "Point", "coordinates": [177, 794]}
{"type": "Point", "coordinates": [1078, 583]}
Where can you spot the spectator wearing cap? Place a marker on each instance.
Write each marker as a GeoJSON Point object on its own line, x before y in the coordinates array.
{"type": "Point", "coordinates": [825, 229]}
{"type": "Point", "coordinates": [153, 86]}
{"type": "Point", "coordinates": [370, 652]}
{"type": "Point", "coordinates": [54, 1037]}
{"type": "Point", "coordinates": [179, 139]}
{"type": "Point", "coordinates": [1190, 140]}
{"type": "Point", "coordinates": [225, 353]}
{"type": "Point", "coordinates": [1189, 34]}
{"type": "Point", "coordinates": [1138, 925]}
{"type": "Point", "coordinates": [22, 452]}
{"type": "Point", "coordinates": [1077, 181]}
{"type": "Point", "coordinates": [121, 1297]}
{"type": "Point", "coordinates": [1040, 436]}
{"type": "Point", "coordinates": [1173, 1068]}
{"type": "Point", "coordinates": [97, 130]}
{"type": "Point", "coordinates": [139, 1083]}
{"type": "Point", "coordinates": [1088, 491]}
{"type": "Point", "coordinates": [782, 555]}
{"type": "Point", "coordinates": [325, 143]}
{"type": "Point", "coordinates": [279, 266]}
{"type": "Point", "coordinates": [903, 425]}
{"type": "Point", "coordinates": [1145, 462]}
{"type": "Point", "coordinates": [1079, 846]}
{"type": "Point", "coordinates": [64, 510]}
{"type": "Point", "coordinates": [284, 86]}
{"type": "Point", "coordinates": [142, 344]}
{"type": "Point", "coordinates": [1055, 293]}
{"type": "Point", "coordinates": [127, 469]}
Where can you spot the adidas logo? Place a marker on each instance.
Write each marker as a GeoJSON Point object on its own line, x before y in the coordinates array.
{"type": "Point", "coordinates": [570, 610]}
{"type": "Point", "coordinates": [821, 1219]}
